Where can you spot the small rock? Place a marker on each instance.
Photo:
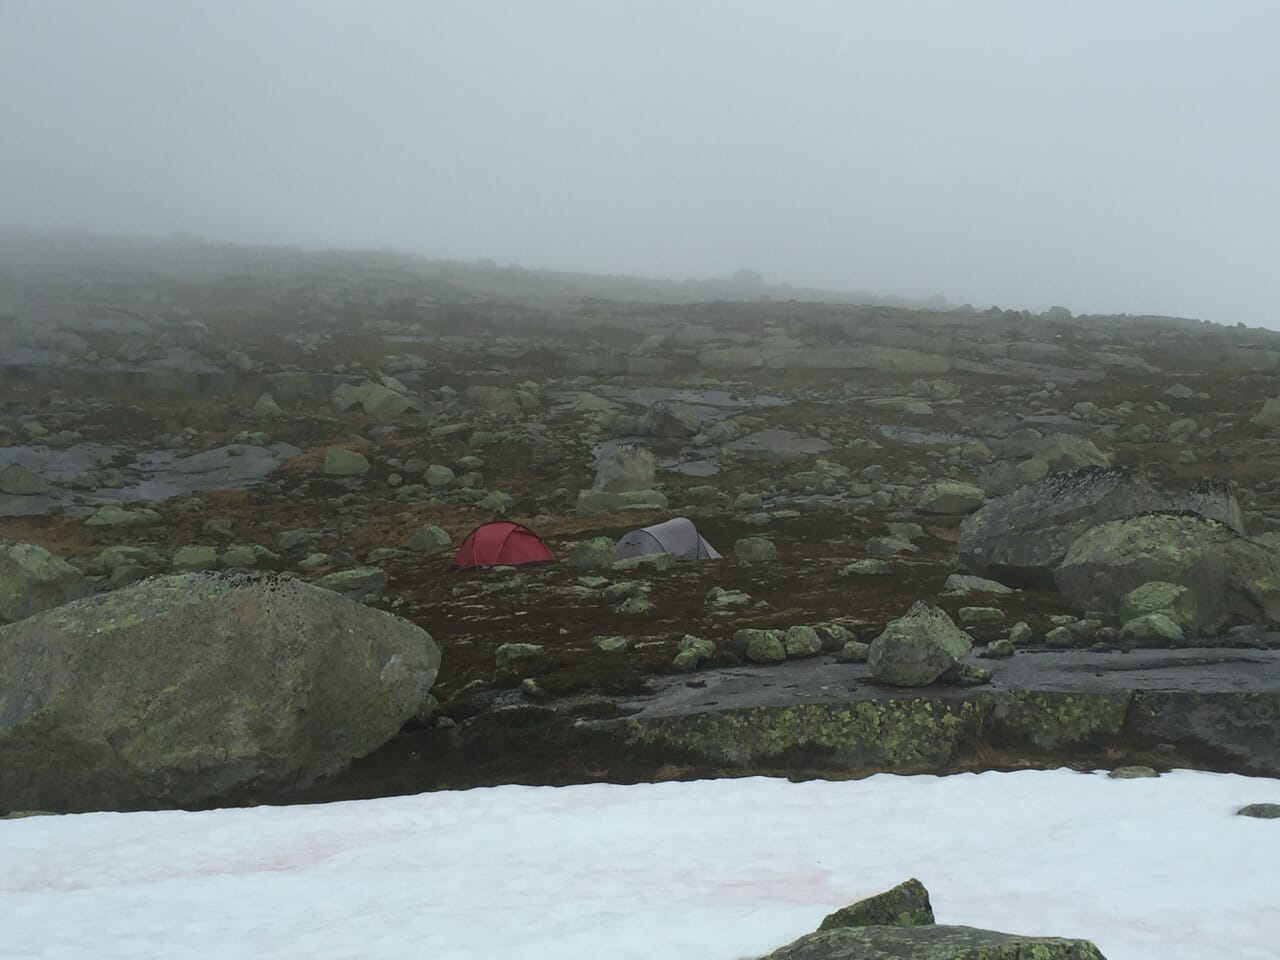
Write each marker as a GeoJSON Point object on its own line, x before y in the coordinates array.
{"type": "Point", "coordinates": [195, 557]}
{"type": "Point", "coordinates": [344, 463]}
{"type": "Point", "coordinates": [951, 498]}
{"type": "Point", "coordinates": [1021, 634]}
{"type": "Point", "coordinates": [802, 642]}
{"type": "Point", "coordinates": [1132, 773]}
{"type": "Point", "coordinates": [17, 481]}
{"type": "Point", "coordinates": [591, 554]}
{"type": "Point", "coordinates": [611, 644]}
{"type": "Point", "coordinates": [360, 584]}
{"type": "Point", "coordinates": [976, 615]}
{"type": "Point", "coordinates": [906, 905]}
{"type": "Point", "coordinates": [854, 651]}
{"type": "Point", "coordinates": [749, 550]}
{"type": "Point", "coordinates": [508, 653]}
{"type": "Point", "coordinates": [864, 568]}
{"type": "Point", "coordinates": [999, 649]}
{"type": "Point", "coordinates": [429, 539]}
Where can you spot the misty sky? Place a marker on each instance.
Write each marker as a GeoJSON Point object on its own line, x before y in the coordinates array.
{"type": "Point", "coordinates": [1107, 156]}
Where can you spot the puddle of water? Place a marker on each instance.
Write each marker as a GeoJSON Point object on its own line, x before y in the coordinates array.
{"type": "Point", "coordinates": [164, 473]}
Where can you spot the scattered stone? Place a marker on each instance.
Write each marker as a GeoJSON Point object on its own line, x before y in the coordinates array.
{"type": "Point", "coordinates": [999, 649]}
{"type": "Point", "coordinates": [802, 642]}
{"type": "Point", "coordinates": [880, 547]}
{"type": "Point", "coordinates": [854, 651]}
{"type": "Point", "coordinates": [111, 515]}
{"type": "Point", "coordinates": [438, 476]}
{"type": "Point", "coordinates": [1020, 634]}
{"type": "Point", "coordinates": [970, 616]}
{"type": "Point", "coordinates": [1151, 627]}
{"type": "Point", "coordinates": [240, 557]}
{"type": "Point", "coordinates": [749, 550]}
{"type": "Point", "coordinates": [720, 597]}
{"type": "Point", "coordinates": [33, 579]}
{"type": "Point", "coordinates": [1132, 773]}
{"type": "Point", "coordinates": [508, 653]}
{"type": "Point", "coordinates": [611, 644]}
{"type": "Point", "coordinates": [17, 481]}
{"type": "Point", "coordinates": [194, 558]}
{"type": "Point", "coordinates": [635, 606]}
{"type": "Point", "coordinates": [1171, 599]}
{"type": "Point", "coordinates": [692, 652]}
{"type": "Point", "coordinates": [429, 539]}
{"type": "Point", "coordinates": [864, 568]}
{"type": "Point", "coordinates": [951, 498]}
{"type": "Point", "coordinates": [265, 407]}
{"type": "Point", "coordinates": [960, 585]}
{"type": "Point", "coordinates": [592, 554]}
{"type": "Point", "coordinates": [361, 584]}
{"type": "Point", "coordinates": [760, 646]}
{"type": "Point", "coordinates": [344, 463]}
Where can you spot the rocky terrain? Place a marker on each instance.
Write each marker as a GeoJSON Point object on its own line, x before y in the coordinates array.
{"type": "Point", "coordinates": [952, 538]}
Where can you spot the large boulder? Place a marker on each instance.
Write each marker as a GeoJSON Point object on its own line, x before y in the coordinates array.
{"type": "Point", "coordinates": [625, 470]}
{"type": "Point", "coordinates": [187, 689]}
{"type": "Point", "coordinates": [33, 579]}
{"type": "Point", "coordinates": [918, 648]}
{"type": "Point", "coordinates": [1019, 538]}
{"type": "Point", "coordinates": [1229, 578]}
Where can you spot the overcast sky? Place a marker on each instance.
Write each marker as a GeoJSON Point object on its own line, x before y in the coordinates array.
{"type": "Point", "coordinates": [1106, 156]}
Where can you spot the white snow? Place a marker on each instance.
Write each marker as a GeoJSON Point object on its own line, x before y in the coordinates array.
{"type": "Point", "coordinates": [1147, 869]}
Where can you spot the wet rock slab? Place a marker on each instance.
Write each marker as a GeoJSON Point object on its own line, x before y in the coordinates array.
{"type": "Point", "coordinates": [1222, 705]}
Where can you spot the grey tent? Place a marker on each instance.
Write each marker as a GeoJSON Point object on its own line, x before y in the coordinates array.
{"type": "Point", "coordinates": [678, 537]}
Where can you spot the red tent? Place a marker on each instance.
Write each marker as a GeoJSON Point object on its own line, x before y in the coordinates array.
{"type": "Point", "coordinates": [501, 544]}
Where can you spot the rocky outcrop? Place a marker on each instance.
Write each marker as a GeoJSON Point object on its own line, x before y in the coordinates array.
{"type": "Point", "coordinates": [184, 689]}
{"type": "Point", "coordinates": [898, 925]}
{"type": "Point", "coordinates": [33, 579]}
{"type": "Point", "coordinates": [918, 648]}
{"type": "Point", "coordinates": [1229, 578]}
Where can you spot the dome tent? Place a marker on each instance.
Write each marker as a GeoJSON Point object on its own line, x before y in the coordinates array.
{"type": "Point", "coordinates": [501, 544]}
{"type": "Point", "coordinates": [678, 537]}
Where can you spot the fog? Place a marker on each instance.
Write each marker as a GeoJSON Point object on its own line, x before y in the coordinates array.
{"type": "Point", "coordinates": [1102, 156]}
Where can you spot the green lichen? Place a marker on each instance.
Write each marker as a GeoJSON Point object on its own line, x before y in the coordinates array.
{"type": "Point", "coordinates": [894, 733]}
{"type": "Point", "coordinates": [1053, 720]}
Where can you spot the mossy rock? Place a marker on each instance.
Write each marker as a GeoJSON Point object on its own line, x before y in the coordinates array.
{"type": "Point", "coordinates": [931, 943]}
{"type": "Point", "coordinates": [906, 905]}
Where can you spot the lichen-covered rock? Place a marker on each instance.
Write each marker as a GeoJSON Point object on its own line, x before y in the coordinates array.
{"type": "Point", "coordinates": [916, 649]}
{"type": "Point", "coordinates": [508, 653]}
{"type": "Point", "coordinates": [931, 943]}
{"type": "Point", "coordinates": [1230, 578]}
{"type": "Point", "coordinates": [184, 689]}
{"type": "Point", "coordinates": [906, 905]}
{"type": "Point", "coordinates": [802, 642]}
{"type": "Point", "coordinates": [1151, 628]}
{"type": "Point", "coordinates": [33, 579]}
{"type": "Point", "coordinates": [760, 646]}
{"type": "Point", "coordinates": [951, 498]}
{"type": "Point", "coordinates": [1172, 599]}
{"type": "Point", "coordinates": [854, 651]}
{"type": "Point", "coordinates": [692, 652]}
